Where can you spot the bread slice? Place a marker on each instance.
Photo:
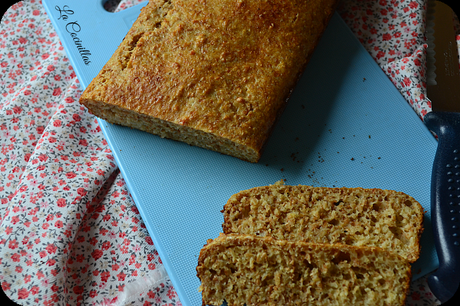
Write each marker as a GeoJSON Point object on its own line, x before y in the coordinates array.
{"type": "Point", "coordinates": [353, 216]}
{"type": "Point", "coordinates": [250, 270]}
{"type": "Point", "coordinates": [214, 74]}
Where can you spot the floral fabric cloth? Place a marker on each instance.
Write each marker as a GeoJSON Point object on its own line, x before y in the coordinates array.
{"type": "Point", "coordinates": [70, 234]}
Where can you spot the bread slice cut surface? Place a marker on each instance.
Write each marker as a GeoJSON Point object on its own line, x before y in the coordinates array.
{"type": "Point", "coordinates": [353, 216]}
{"type": "Point", "coordinates": [250, 270]}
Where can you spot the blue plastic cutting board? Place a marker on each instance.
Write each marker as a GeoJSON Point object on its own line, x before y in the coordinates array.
{"type": "Point", "coordinates": [345, 125]}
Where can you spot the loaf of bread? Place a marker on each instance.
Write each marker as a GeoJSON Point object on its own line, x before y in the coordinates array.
{"type": "Point", "coordinates": [214, 74]}
{"type": "Point", "coordinates": [250, 270]}
{"type": "Point", "coordinates": [353, 216]}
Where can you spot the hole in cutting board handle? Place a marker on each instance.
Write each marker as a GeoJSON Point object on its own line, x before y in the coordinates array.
{"type": "Point", "coordinates": [111, 5]}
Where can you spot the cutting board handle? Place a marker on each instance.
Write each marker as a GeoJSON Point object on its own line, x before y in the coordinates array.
{"type": "Point", "coordinates": [445, 203]}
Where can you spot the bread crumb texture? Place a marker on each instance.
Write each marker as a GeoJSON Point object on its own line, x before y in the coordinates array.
{"type": "Point", "coordinates": [354, 216]}
{"type": "Point", "coordinates": [250, 270]}
{"type": "Point", "coordinates": [303, 245]}
{"type": "Point", "coordinates": [214, 73]}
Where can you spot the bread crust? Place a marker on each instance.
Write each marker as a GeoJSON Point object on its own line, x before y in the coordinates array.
{"type": "Point", "coordinates": [212, 73]}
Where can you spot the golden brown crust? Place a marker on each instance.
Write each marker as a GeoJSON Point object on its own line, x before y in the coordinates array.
{"type": "Point", "coordinates": [245, 269]}
{"type": "Point", "coordinates": [353, 216]}
{"type": "Point", "coordinates": [221, 67]}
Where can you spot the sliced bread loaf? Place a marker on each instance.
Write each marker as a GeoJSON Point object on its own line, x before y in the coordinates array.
{"type": "Point", "coordinates": [215, 74]}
